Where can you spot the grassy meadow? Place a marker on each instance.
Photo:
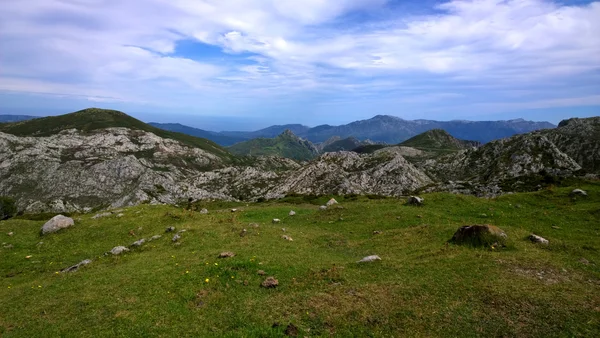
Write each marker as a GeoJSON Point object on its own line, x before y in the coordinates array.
{"type": "Point", "coordinates": [422, 287]}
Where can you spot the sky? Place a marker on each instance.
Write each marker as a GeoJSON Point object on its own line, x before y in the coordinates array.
{"type": "Point", "coordinates": [247, 64]}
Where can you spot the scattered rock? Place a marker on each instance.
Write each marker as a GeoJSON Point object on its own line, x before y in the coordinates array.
{"type": "Point", "coordinates": [261, 273]}
{"type": "Point", "coordinates": [578, 192]}
{"type": "Point", "coordinates": [155, 237]}
{"type": "Point", "coordinates": [555, 227]}
{"type": "Point", "coordinates": [331, 202]}
{"type": "Point", "coordinates": [8, 246]}
{"type": "Point", "coordinates": [292, 213]}
{"type": "Point", "coordinates": [76, 266]}
{"type": "Point", "coordinates": [370, 259]}
{"type": "Point", "coordinates": [10, 233]}
{"type": "Point", "coordinates": [181, 231]}
{"type": "Point", "coordinates": [478, 235]}
{"type": "Point", "coordinates": [377, 232]}
{"type": "Point", "coordinates": [204, 211]}
{"type": "Point", "coordinates": [104, 214]}
{"type": "Point", "coordinates": [584, 261]}
{"type": "Point", "coordinates": [226, 254]}
{"type": "Point", "coordinates": [234, 210]}
{"type": "Point", "coordinates": [415, 200]}
{"type": "Point", "coordinates": [117, 250]}
{"type": "Point", "coordinates": [139, 242]}
{"type": "Point", "coordinates": [287, 238]}
{"type": "Point", "coordinates": [176, 238]}
{"type": "Point", "coordinates": [270, 282]}
{"type": "Point", "coordinates": [291, 330]}
{"type": "Point", "coordinates": [56, 223]}
{"type": "Point", "coordinates": [483, 215]}
{"type": "Point", "coordinates": [322, 207]}
{"type": "Point", "coordinates": [253, 225]}
{"type": "Point", "coordinates": [538, 239]}
{"type": "Point", "coordinates": [276, 220]}
{"type": "Point", "coordinates": [170, 229]}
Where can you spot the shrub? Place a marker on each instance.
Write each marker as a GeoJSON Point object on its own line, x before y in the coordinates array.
{"type": "Point", "coordinates": [7, 207]}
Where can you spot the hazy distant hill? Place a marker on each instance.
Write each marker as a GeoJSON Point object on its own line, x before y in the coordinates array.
{"type": "Point", "coordinates": [438, 139]}
{"type": "Point", "coordinates": [15, 118]}
{"type": "Point", "coordinates": [285, 145]}
{"type": "Point", "coordinates": [210, 135]}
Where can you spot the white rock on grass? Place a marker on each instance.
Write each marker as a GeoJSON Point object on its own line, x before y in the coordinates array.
{"type": "Point", "coordinates": [415, 200]}
{"type": "Point", "coordinates": [117, 250]}
{"type": "Point", "coordinates": [287, 238]}
{"type": "Point", "coordinates": [323, 207]}
{"type": "Point", "coordinates": [292, 213]}
{"type": "Point", "coordinates": [76, 266]}
{"type": "Point", "coordinates": [538, 239]}
{"type": "Point", "coordinates": [331, 202]}
{"type": "Point", "coordinates": [204, 211]}
{"type": "Point", "coordinates": [155, 237]}
{"type": "Point", "coordinates": [104, 214]}
{"type": "Point", "coordinates": [139, 242]}
{"type": "Point", "coordinates": [372, 258]}
{"type": "Point", "coordinates": [56, 223]}
{"type": "Point", "coordinates": [578, 192]}
{"type": "Point", "coordinates": [176, 238]}
{"type": "Point", "coordinates": [276, 220]}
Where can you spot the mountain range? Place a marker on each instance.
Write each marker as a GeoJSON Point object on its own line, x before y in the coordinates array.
{"type": "Point", "coordinates": [95, 159]}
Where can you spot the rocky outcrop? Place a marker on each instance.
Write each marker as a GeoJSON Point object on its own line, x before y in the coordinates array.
{"type": "Point", "coordinates": [57, 223]}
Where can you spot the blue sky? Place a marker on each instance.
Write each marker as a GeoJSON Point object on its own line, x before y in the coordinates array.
{"type": "Point", "coordinates": [246, 64]}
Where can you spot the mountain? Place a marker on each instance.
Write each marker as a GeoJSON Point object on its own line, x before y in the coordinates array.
{"type": "Point", "coordinates": [268, 132]}
{"type": "Point", "coordinates": [287, 145]}
{"type": "Point", "coordinates": [16, 118]}
{"type": "Point", "coordinates": [337, 144]}
{"type": "Point", "coordinates": [438, 139]}
{"type": "Point", "coordinates": [209, 135]}
{"type": "Point", "coordinates": [92, 119]}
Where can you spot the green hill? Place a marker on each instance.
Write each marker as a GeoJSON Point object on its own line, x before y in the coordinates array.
{"type": "Point", "coordinates": [92, 119]}
{"type": "Point", "coordinates": [422, 287]}
{"type": "Point", "coordinates": [438, 140]}
{"type": "Point", "coordinates": [346, 144]}
{"type": "Point", "coordinates": [285, 145]}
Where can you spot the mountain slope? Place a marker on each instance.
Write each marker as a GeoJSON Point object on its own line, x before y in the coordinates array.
{"type": "Point", "coordinates": [218, 138]}
{"type": "Point", "coordinates": [285, 145]}
{"type": "Point", "coordinates": [438, 139]}
{"type": "Point", "coordinates": [16, 118]}
{"type": "Point", "coordinates": [92, 119]}
{"type": "Point", "coordinates": [269, 132]}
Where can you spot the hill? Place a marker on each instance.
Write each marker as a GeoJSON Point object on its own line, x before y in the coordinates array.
{"type": "Point", "coordinates": [438, 140]}
{"type": "Point", "coordinates": [422, 286]}
{"type": "Point", "coordinates": [285, 145]}
{"type": "Point", "coordinates": [218, 138]}
{"type": "Point", "coordinates": [92, 119]}
{"type": "Point", "coordinates": [337, 144]}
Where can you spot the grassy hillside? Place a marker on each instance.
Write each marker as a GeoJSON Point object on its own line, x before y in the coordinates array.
{"type": "Point", "coordinates": [91, 119]}
{"type": "Point", "coordinates": [346, 144]}
{"type": "Point", "coordinates": [438, 140]}
{"type": "Point", "coordinates": [421, 287]}
{"type": "Point", "coordinates": [285, 145]}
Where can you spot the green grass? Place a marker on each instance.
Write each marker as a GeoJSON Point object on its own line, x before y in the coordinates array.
{"type": "Point", "coordinates": [283, 145]}
{"type": "Point", "coordinates": [421, 287]}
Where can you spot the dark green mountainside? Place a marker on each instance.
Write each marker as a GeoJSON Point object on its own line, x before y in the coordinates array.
{"type": "Point", "coordinates": [438, 139]}
{"type": "Point", "coordinates": [285, 145]}
{"type": "Point", "coordinates": [92, 119]}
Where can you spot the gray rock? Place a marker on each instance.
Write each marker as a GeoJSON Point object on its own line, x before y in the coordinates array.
{"type": "Point", "coordinates": [8, 246]}
{"type": "Point", "coordinates": [292, 213]}
{"type": "Point", "coordinates": [578, 192]}
{"type": "Point", "coordinates": [234, 210]}
{"type": "Point", "coordinates": [415, 200]}
{"type": "Point", "coordinates": [176, 238]}
{"type": "Point", "coordinates": [120, 215]}
{"type": "Point", "coordinates": [323, 207]}
{"type": "Point", "coordinates": [170, 229]}
{"type": "Point", "coordinates": [76, 266]}
{"type": "Point", "coordinates": [117, 250]}
{"type": "Point", "coordinates": [479, 235]}
{"type": "Point", "coordinates": [276, 220]}
{"type": "Point", "coordinates": [253, 225]}
{"type": "Point", "coordinates": [243, 232]}
{"type": "Point", "coordinates": [287, 238]}
{"type": "Point", "coordinates": [10, 233]}
{"type": "Point", "coordinates": [370, 259]}
{"type": "Point", "coordinates": [155, 237]}
{"type": "Point", "coordinates": [331, 202]}
{"type": "Point", "coordinates": [57, 223]}
{"type": "Point", "coordinates": [138, 242]}
{"type": "Point", "coordinates": [538, 239]}
{"type": "Point", "coordinates": [204, 211]}
{"type": "Point", "coordinates": [104, 214]}
{"type": "Point", "coordinates": [270, 282]}
{"type": "Point", "coordinates": [226, 254]}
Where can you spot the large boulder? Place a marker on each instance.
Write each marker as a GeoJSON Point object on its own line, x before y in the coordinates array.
{"type": "Point", "coordinates": [479, 235]}
{"type": "Point", "coordinates": [56, 223]}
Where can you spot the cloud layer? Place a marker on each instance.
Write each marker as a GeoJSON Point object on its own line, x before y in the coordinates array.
{"type": "Point", "coordinates": [344, 53]}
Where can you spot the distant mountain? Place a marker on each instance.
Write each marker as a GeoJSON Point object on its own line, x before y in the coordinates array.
{"type": "Point", "coordinates": [269, 132]}
{"type": "Point", "coordinates": [438, 139]}
{"type": "Point", "coordinates": [287, 145]}
{"type": "Point", "coordinates": [209, 135]}
{"type": "Point", "coordinates": [337, 144]}
{"type": "Point", "coordinates": [16, 118]}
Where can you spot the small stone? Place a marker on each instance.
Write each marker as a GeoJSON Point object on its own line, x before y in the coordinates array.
{"type": "Point", "coordinates": [8, 246]}
{"type": "Point", "coordinates": [331, 202]}
{"type": "Point", "coordinates": [261, 273]}
{"type": "Point", "coordinates": [292, 213]}
{"type": "Point", "coordinates": [226, 254]}
{"type": "Point", "coordinates": [415, 200]}
{"type": "Point", "coordinates": [483, 215]}
{"type": "Point", "coordinates": [56, 223]}
{"type": "Point", "coordinates": [27, 257]}
{"type": "Point", "coordinates": [253, 225]}
{"type": "Point", "coordinates": [291, 330]}
{"type": "Point", "coordinates": [419, 216]}
{"type": "Point", "coordinates": [181, 231]}
{"type": "Point", "coordinates": [555, 227]}
{"type": "Point", "coordinates": [170, 229]}
{"type": "Point", "coordinates": [370, 259]}
{"type": "Point", "coordinates": [270, 282]}
{"type": "Point", "coordinates": [138, 242]}
{"type": "Point", "coordinates": [117, 250]}
{"type": "Point", "coordinates": [287, 238]}
{"type": "Point", "coordinates": [10, 233]}
{"type": "Point", "coordinates": [104, 214]}
{"type": "Point", "coordinates": [76, 266]}
{"type": "Point", "coordinates": [283, 229]}
{"type": "Point", "coordinates": [323, 207]}
{"type": "Point", "coordinates": [243, 232]}
{"type": "Point", "coordinates": [176, 238]}
{"type": "Point", "coordinates": [234, 210]}
{"type": "Point", "coordinates": [398, 217]}
{"type": "Point", "coordinates": [120, 215]}
{"type": "Point", "coordinates": [204, 211]}
{"type": "Point", "coordinates": [578, 192]}
{"type": "Point", "coordinates": [276, 220]}
{"type": "Point", "coordinates": [377, 232]}
{"type": "Point", "coordinates": [538, 239]}
{"type": "Point", "coordinates": [155, 237]}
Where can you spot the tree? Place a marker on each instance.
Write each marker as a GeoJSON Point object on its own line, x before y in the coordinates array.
{"type": "Point", "coordinates": [7, 207]}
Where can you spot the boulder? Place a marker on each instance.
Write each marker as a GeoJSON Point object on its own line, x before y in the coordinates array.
{"type": "Point", "coordinates": [292, 213]}
{"type": "Point", "coordinates": [415, 200]}
{"type": "Point", "coordinates": [578, 192]}
{"type": "Point", "coordinates": [117, 250]}
{"type": "Point", "coordinates": [331, 202]}
{"type": "Point", "coordinates": [270, 282]}
{"type": "Point", "coordinates": [76, 266]}
{"type": "Point", "coordinates": [56, 223]}
{"type": "Point", "coordinates": [372, 258]}
{"type": "Point", "coordinates": [538, 239]}
{"type": "Point", "coordinates": [226, 254]}
{"type": "Point", "coordinates": [204, 211]}
{"type": "Point", "coordinates": [479, 235]}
